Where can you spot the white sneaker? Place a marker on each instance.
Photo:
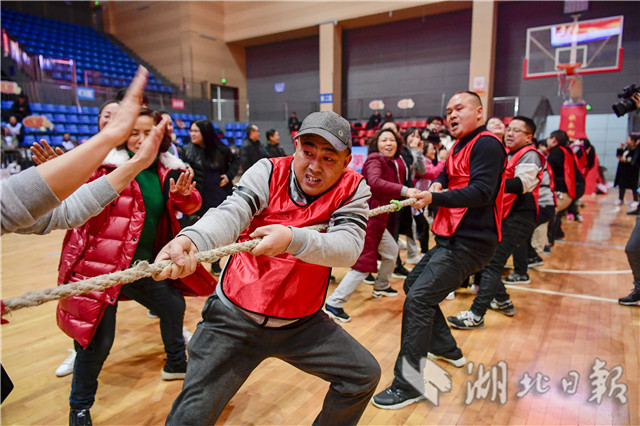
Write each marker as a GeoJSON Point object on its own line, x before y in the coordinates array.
{"type": "Point", "coordinates": [151, 314]}
{"type": "Point", "coordinates": [186, 334]}
{"type": "Point", "coordinates": [474, 288]}
{"type": "Point", "coordinates": [402, 244]}
{"type": "Point", "coordinates": [633, 205]}
{"type": "Point", "coordinates": [451, 296]}
{"type": "Point", "coordinates": [413, 260]}
{"type": "Point", "coordinates": [66, 367]}
{"type": "Point", "coordinates": [618, 202]}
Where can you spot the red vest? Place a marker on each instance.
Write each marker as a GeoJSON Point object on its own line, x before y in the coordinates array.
{"type": "Point", "coordinates": [510, 173]}
{"type": "Point", "coordinates": [569, 171]}
{"type": "Point", "coordinates": [458, 172]}
{"type": "Point", "coordinates": [284, 286]}
{"type": "Point", "coordinates": [582, 161]}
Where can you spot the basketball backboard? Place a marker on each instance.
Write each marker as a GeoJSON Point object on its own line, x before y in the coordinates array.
{"type": "Point", "coordinates": [596, 45]}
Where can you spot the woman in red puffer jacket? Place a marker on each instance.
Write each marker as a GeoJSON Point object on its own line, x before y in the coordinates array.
{"type": "Point", "coordinates": [134, 227]}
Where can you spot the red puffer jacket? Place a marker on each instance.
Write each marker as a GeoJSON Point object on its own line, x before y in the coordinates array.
{"type": "Point", "coordinates": [384, 177]}
{"type": "Point", "coordinates": [108, 241]}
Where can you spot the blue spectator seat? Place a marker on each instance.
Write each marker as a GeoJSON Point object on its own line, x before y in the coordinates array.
{"type": "Point", "coordinates": [35, 106]}
{"type": "Point", "coordinates": [84, 128]}
{"type": "Point", "coordinates": [72, 128]}
{"type": "Point", "coordinates": [56, 140]}
{"type": "Point", "coordinates": [61, 128]}
{"type": "Point", "coordinates": [86, 119]}
{"type": "Point", "coordinates": [29, 140]}
{"type": "Point", "coordinates": [48, 108]}
{"type": "Point", "coordinates": [72, 118]}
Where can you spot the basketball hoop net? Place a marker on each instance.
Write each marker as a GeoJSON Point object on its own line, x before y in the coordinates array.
{"type": "Point", "coordinates": [570, 83]}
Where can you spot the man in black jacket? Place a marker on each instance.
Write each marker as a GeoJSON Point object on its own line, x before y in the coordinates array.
{"type": "Point", "coordinates": [519, 210]}
{"type": "Point", "coordinates": [251, 149]}
{"type": "Point", "coordinates": [467, 233]}
{"type": "Point", "coordinates": [273, 148]}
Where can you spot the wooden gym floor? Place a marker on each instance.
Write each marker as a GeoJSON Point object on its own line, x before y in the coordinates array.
{"type": "Point", "coordinates": [566, 319]}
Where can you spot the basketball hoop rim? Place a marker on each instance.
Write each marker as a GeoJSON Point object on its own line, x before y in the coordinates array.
{"type": "Point", "coordinates": [568, 68]}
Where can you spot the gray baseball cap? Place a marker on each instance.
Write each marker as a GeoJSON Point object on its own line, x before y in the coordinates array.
{"type": "Point", "coordinates": [330, 126]}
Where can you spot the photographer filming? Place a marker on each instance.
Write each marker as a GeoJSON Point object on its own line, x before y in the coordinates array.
{"type": "Point", "coordinates": [633, 244]}
{"type": "Point", "coordinates": [629, 102]}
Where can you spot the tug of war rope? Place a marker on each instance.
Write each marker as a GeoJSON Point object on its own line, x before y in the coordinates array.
{"type": "Point", "coordinates": [144, 269]}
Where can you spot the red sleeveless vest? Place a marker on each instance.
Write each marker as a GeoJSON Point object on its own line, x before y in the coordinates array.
{"type": "Point", "coordinates": [581, 161]}
{"type": "Point", "coordinates": [569, 171]}
{"type": "Point", "coordinates": [510, 173]}
{"type": "Point", "coordinates": [284, 286]}
{"type": "Point", "coordinates": [458, 171]}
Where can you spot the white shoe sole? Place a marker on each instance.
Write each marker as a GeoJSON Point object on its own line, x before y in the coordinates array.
{"type": "Point", "coordinates": [172, 376]}
{"type": "Point", "coordinates": [400, 404]}
{"type": "Point", "coordinates": [335, 317]}
{"type": "Point", "coordinates": [455, 362]}
{"type": "Point", "coordinates": [377, 293]}
{"type": "Point", "coordinates": [629, 303]}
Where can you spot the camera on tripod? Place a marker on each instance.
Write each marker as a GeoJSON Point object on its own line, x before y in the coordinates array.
{"type": "Point", "coordinates": [627, 104]}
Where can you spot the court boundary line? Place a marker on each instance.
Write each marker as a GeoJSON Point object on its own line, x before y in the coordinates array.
{"type": "Point", "coordinates": [558, 293]}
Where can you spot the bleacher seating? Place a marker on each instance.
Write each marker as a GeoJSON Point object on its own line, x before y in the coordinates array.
{"type": "Point", "coordinates": [83, 124]}
{"type": "Point", "coordinates": [106, 64]}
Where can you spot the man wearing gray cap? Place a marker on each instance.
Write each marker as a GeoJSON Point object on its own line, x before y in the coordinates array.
{"type": "Point", "coordinates": [268, 302]}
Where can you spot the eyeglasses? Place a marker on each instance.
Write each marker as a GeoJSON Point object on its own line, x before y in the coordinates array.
{"type": "Point", "coordinates": [516, 131]}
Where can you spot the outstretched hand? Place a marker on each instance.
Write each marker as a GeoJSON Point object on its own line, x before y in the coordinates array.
{"type": "Point", "coordinates": [185, 185]}
{"type": "Point", "coordinates": [121, 125]}
{"type": "Point", "coordinates": [43, 153]}
{"type": "Point", "coordinates": [182, 252]}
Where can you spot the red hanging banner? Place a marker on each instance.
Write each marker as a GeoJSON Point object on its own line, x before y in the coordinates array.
{"type": "Point", "coordinates": [573, 119]}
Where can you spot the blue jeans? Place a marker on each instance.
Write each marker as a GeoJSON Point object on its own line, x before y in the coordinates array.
{"type": "Point", "coordinates": [164, 300]}
{"type": "Point", "coordinates": [227, 347]}
{"type": "Point", "coordinates": [424, 328]}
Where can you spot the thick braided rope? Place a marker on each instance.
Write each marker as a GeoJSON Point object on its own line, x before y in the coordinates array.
{"type": "Point", "coordinates": [144, 269]}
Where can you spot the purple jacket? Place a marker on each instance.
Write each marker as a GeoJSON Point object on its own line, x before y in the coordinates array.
{"type": "Point", "coordinates": [384, 176]}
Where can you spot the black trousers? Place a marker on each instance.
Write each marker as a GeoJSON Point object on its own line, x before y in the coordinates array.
{"type": "Point", "coordinates": [633, 253]}
{"type": "Point", "coordinates": [515, 230]}
{"type": "Point", "coordinates": [424, 328]}
{"type": "Point", "coordinates": [525, 251]}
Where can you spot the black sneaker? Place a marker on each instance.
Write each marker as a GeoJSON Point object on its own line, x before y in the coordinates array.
{"type": "Point", "coordinates": [174, 372]}
{"type": "Point", "coordinates": [392, 398]}
{"type": "Point", "coordinates": [505, 307]}
{"type": "Point", "coordinates": [546, 250]}
{"type": "Point", "coordinates": [337, 314]}
{"type": "Point", "coordinates": [517, 279]}
{"type": "Point", "coordinates": [400, 272]}
{"type": "Point", "coordinates": [370, 279]}
{"type": "Point", "coordinates": [534, 261]}
{"type": "Point", "coordinates": [631, 300]}
{"type": "Point", "coordinates": [80, 417]}
{"type": "Point", "coordinates": [389, 292]}
{"type": "Point", "coordinates": [466, 320]}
